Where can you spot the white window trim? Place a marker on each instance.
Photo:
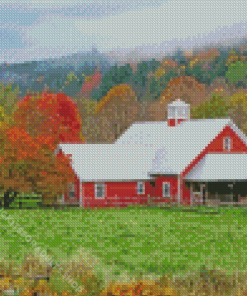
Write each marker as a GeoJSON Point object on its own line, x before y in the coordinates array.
{"type": "Point", "coordinates": [95, 190]}
{"type": "Point", "coordinates": [138, 187]}
{"type": "Point", "coordinates": [72, 189]}
{"type": "Point", "coordinates": [163, 187]}
{"type": "Point", "coordinates": [224, 144]}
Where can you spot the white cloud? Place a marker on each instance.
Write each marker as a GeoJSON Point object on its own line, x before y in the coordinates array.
{"type": "Point", "coordinates": [43, 3]}
{"type": "Point", "coordinates": [174, 19]}
{"type": "Point", "coordinates": [56, 35]}
{"type": "Point", "coordinates": [54, 4]}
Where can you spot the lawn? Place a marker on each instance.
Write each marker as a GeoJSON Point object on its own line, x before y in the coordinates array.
{"type": "Point", "coordinates": [138, 241]}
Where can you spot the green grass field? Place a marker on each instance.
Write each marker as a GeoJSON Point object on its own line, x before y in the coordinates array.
{"type": "Point", "coordinates": [134, 240]}
{"type": "Point", "coordinates": [154, 239]}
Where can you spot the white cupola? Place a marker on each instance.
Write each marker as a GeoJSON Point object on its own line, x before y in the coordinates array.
{"type": "Point", "coordinates": [177, 111]}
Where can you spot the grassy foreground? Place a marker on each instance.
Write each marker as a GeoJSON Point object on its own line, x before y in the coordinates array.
{"type": "Point", "coordinates": [125, 244]}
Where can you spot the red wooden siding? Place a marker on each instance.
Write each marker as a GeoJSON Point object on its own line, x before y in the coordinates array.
{"type": "Point", "coordinates": [116, 194]}
{"type": "Point", "coordinates": [158, 188]}
{"type": "Point", "coordinates": [185, 194]}
{"type": "Point", "coordinates": [237, 145]}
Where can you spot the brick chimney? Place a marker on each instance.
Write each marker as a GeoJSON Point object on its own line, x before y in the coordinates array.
{"type": "Point", "coordinates": [177, 111]}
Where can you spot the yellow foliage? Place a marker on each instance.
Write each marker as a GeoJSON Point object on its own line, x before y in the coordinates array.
{"type": "Point", "coordinates": [88, 78]}
{"type": "Point", "coordinates": [160, 71]}
{"type": "Point", "coordinates": [26, 292]}
{"type": "Point", "coordinates": [121, 90]}
{"type": "Point", "coordinates": [4, 283]}
{"type": "Point", "coordinates": [43, 287]}
{"type": "Point", "coordinates": [138, 289]}
{"type": "Point", "coordinates": [239, 98]}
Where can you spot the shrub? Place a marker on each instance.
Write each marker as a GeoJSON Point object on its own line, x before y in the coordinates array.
{"type": "Point", "coordinates": [139, 288]}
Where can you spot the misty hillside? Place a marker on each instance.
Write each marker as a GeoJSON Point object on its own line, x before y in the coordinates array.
{"type": "Point", "coordinates": [53, 72]}
{"type": "Point", "coordinates": [34, 75]}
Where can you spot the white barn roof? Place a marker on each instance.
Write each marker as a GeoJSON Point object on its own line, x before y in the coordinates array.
{"type": "Point", "coordinates": [159, 133]}
{"type": "Point", "coordinates": [146, 148]}
{"type": "Point", "coordinates": [221, 167]}
{"type": "Point", "coordinates": [111, 162]}
{"type": "Point", "coordinates": [179, 145]}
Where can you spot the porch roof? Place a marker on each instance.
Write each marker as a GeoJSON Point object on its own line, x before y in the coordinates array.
{"type": "Point", "coordinates": [220, 167]}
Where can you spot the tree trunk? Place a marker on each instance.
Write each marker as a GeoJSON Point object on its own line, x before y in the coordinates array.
{"type": "Point", "coordinates": [9, 198]}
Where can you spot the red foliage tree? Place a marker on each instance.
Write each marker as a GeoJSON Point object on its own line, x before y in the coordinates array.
{"type": "Point", "coordinates": [50, 118]}
{"type": "Point", "coordinates": [27, 167]}
{"type": "Point", "coordinates": [90, 83]}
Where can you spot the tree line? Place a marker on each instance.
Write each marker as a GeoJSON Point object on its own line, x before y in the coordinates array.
{"type": "Point", "coordinates": [213, 82]}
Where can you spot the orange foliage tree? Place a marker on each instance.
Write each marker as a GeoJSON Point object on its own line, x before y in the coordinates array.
{"type": "Point", "coordinates": [25, 166]}
{"type": "Point", "coordinates": [50, 118]}
{"type": "Point", "coordinates": [119, 108]}
{"type": "Point", "coordinates": [187, 88]}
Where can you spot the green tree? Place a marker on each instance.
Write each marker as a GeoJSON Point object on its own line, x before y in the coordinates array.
{"type": "Point", "coordinates": [71, 77]}
{"type": "Point", "coordinates": [179, 57]}
{"type": "Point", "coordinates": [237, 73]}
{"type": "Point", "coordinates": [238, 109]}
{"type": "Point", "coordinates": [214, 108]}
{"type": "Point", "coordinates": [114, 76]}
{"type": "Point", "coordinates": [8, 98]}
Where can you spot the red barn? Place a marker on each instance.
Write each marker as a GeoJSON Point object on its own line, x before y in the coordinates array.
{"type": "Point", "coordinates": [182, 160]}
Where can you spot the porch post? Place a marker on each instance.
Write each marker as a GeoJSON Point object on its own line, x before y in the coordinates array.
{"type": "Point", "coordinates": [206, 193]}
{"type": "Point", "coordinates": [201, 192]}
{"type": "Point", "coordinates": [191, 193]}
{"type": "Point", "coordinates": [63, 199]}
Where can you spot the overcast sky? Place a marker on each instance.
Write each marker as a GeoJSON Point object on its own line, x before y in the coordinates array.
{"type": "Point", "coordinates": [35, 30]}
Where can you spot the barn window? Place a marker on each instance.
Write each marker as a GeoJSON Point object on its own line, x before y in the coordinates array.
{"type": "Point", "coordinates": [72, 191]}
{"type": "Point", "coordinates": [140, 187]}
{"type": "Point", "coordinates": [227, 143]}
{"type": "Point", "coordinates": [166, 189]}
{"type": "Point", "coordinates": [99, 190]}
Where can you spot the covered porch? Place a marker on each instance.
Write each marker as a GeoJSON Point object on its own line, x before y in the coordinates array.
{"type": "Point", "coordinates": [217, 192]}
{"type": "Point", "coordinates": [218, 178]}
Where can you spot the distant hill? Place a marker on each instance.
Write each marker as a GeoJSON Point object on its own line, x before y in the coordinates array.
{"type": "Point", "coordinates": [53, 72]}
{"type": "Point", "coordinates": [34, 75]}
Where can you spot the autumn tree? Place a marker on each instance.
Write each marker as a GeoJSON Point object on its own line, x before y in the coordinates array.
{"type": "Point", "coordinates": [238, 109]}
{"type": "Point", "coordinates": [237, 73]}
{"type": "Point", "coordinates": [234, 57]}
{"type": "Point", "coordinates": [156, 82]}
{"type": "Point", "coordinates": [157, 110]}
{"type": "Point", "coordinates": [117, 110]}
{"type": "Point", "coordinates": [114, 76]}
{"type": "Point", "coordinates": [91, 82]}
{"type": "Point", "coordinates": [9, 97]}
{"type": "Point", "coordinates": [214, 108]}
{"type": "Point", "coordinates": [49, 117]}
{"type": "Point", "coordinates": [219, 87]}
{"type": "Point", "coordinates": [86, 109]}
{"type": "Point", "coordinates": [26, 167]}
{"type": "Point", "coordinates": [187, 89]}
